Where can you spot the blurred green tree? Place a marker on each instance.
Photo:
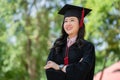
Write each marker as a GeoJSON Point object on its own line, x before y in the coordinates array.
{"type": "Point", "coordinates": [28, 29]}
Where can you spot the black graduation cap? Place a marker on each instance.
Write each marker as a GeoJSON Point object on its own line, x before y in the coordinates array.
{"type": "Point", "coordinates": [77, 11]}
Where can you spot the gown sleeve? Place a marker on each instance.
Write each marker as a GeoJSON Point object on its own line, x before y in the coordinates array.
{"type": "Point", "coordinates": [52, 74]}
{"type": "Point", "coordinates": [85, 67]}
{"type": "Point", "coordinates": [51, 55]}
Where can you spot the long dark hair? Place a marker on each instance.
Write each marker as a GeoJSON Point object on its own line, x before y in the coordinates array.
{"type": "Point", "coordinates": [62, 39]}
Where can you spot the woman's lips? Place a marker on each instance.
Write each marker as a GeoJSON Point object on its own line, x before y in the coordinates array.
{"type": "Point", "coordinates": [69, 28]}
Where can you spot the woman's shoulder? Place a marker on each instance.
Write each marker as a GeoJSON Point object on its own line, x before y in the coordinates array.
{"type": "Point", "coordinates": [88, 43]}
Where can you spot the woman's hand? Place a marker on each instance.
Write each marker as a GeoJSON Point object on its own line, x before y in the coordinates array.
{"type": "Point", "coordinates": [51, 64]}
{"type": "Point", "coordinates": [64, 69]}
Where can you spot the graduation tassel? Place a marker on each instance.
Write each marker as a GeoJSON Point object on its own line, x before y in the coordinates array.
{"type": "Point", "coordinates": [66, 62]}
{"type": "Point", "coordinates": [82, 18]}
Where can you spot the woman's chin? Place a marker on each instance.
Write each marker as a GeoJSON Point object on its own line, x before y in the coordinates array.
{"type": "Point", "coordinates": [69, 33]}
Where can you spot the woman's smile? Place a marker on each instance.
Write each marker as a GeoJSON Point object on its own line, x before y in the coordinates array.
{"type": "Point", "coordinates": [69, 28]}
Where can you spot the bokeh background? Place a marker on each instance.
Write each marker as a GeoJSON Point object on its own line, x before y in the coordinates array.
{"type": "Point", "coordinates": [28, 29]}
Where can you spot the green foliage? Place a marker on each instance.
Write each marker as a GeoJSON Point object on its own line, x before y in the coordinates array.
{"type": "Point", "coordinates": [28, 29]}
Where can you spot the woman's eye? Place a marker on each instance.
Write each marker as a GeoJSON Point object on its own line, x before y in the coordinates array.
{"type": "Point", "coordinates": [65, 21]}
{"type": "Point", "coordinates": [72, 20]}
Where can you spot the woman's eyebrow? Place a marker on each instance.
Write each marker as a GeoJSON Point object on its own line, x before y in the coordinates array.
{"type": "Point", "coordinates": [66, 19]}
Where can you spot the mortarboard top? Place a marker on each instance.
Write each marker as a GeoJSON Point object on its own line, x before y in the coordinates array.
{"type": "Point", "coordinates": [77, 11]}
{"type": "Point", "coordinates": [69, 10]}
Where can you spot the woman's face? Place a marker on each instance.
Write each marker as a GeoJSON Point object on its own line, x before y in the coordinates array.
{"type": "Point", "coordinates": [71, 26]}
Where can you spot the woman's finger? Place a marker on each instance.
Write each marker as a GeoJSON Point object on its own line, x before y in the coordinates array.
{"type": "Point", "coordinates": [49, 62]}
{"type": "Point", "coordinates": [47, 67]}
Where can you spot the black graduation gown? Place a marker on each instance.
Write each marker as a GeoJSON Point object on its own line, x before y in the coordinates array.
{"type": "Point", "coordinates": [81, 63]}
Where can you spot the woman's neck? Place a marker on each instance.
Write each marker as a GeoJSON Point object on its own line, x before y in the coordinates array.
{"type": "Point", "coordinates": [71, 36]}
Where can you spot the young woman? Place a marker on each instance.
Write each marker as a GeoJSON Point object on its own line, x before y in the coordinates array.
{"type": "Point", "coordinates": [71, 57]}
